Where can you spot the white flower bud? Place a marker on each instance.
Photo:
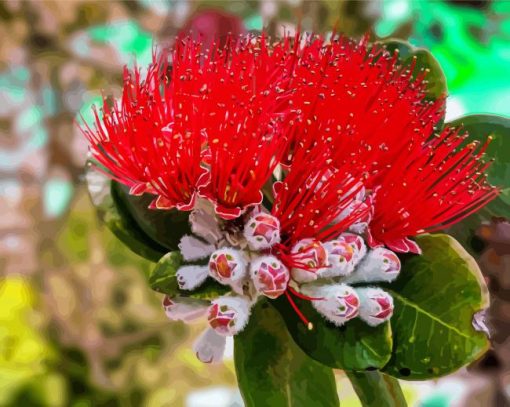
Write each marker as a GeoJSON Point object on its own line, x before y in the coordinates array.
{"type": "Point", "coordinates": [194, 249]}
{"type": "Point", "coordinates": [229, 315]}
{"type": "Point", "coordinates": [311, 256]}
{"type": "Point", "coordinates": [270, 276]}
{"type": "Point", "coordinates": [184, 309]}
{"type": "Point", "coordinates": [191, 277]}
{"type": "Point", "coordinates": [380, 264]}
{"type": "Point", "coordinates": [338, 303]}
{"type": "Point", "coordinates": [376, 305]}
{"type": "Point", "coordinates": [262, 231]}
{"type": "Point", "coordinates": [210, 346]}
{"type": "Point", "coordinates": [357, 243]}
{"type": "Point", "coordinates": [227, 266]}
{"type": "Point", "coordinates": [340, 259]}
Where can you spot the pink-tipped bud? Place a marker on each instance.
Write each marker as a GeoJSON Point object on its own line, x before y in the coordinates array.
{"type": "Point", "coordinates": [338, 303]}
{"type": "Point", "coordinates": [380, 264]}
{"type": "Point", "coordinates": [227, 266]}
{"type": "Point", "coordinates": [376, 305]}
{"type": "Point", "coordinates": [357, 243]}
{"type": "Point", "coordinates": [190, 277]}
{"type": "Point", "coordinates": [310, 257]}
{"type": "Point", "coordinates": [210, 346]}
{"type": "Point", "coordinates": [262, 231]}
{"type": "Point", "coordinates": [229, 315]}
{"type": "Point", "coordinates": [184, 309]}
{"type": "Point", "coordinates": [340, 259]}
{"type": "Point", "coordinates": [269, 275]}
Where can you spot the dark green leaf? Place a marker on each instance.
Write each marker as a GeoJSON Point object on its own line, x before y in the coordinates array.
{"type": "Point", "coordinates": [354, 346]}
{"type": "Point", "coordinates": [377, 389]}
{"type": "Point", "coordinates": [163, 279]}
{"type": "Point", "coordinates": [163, 226]}
{"type": "Point", "coordinates": [118, 219]}
{"type": "Point", "coordinates": [436, 296]}
{"type": "Point", "coordinates": [273, 371]}
{"type": "Point", "coordinates": [436, 80]}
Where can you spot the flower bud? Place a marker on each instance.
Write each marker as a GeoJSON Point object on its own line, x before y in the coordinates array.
{"type": "Point", "coordinates": [229, 315]}
{"type": "Point", "coordinates": [194, 249]}
{"type": "Point", "coordinates": [262, 231]}
{"type": "Point", "coordinates": [227, 265]}
{"type": "Point", "coordinates": [311, 256]}
{"type": "Point", "coordinates": [210, 346]}
{"type": "Point", "coordinates": [184, 309]}
{"type": "Point", "coordinates": [190, 277]}
{"type": "Point", "coordinates": [338, 303]}
{"type": "Point", "coordinates": [376, 305]}
{"type": "Point", "coordinates": [357, 243]}
{"type": "Point", "coordinates": [380, 264]}
{"type": "Point", "coordinates": [340, 259]}
{"type": "Point", "coordinates": [269, 275]}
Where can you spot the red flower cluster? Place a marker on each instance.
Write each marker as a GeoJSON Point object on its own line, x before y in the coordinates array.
{"type": "Point", "coordinates": [346, 129]}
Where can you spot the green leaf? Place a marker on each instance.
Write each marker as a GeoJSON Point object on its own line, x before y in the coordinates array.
{"type": "Point", "coordinates": [377, 389]}
{"type": "Point", "coordinates": [163, 279]}
{"type": "Point", "coordinates": [166, 227]}
{"type": "Point", "coordinates": [273, 371]}
{"type": "Point", "coordinates": [354, 346]}
{"type": "Point", "coordinates": [436, 80]}
{"type": "Point", "coordinates": [436, 296]}
{"type": "Point", "coordinates": [479, 127]}
{"type": "Point", "coordinates": [116, 217]}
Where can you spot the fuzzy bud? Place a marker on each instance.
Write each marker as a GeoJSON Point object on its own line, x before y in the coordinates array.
{"type": "Point", "coordinates": [227, 266]}
{"type": "Point", "coordinates": [380, 264]}
{"type": "Point", "coordinates": [358, 245]}
{"type": "Point", "coordinates": [210, 346]}
{"type": "Point", "coordinates": [190, 277]}
{"type": "Point", "coordinates": [229, 315]}
{"type": "Point", "coordinates": [311, 256]}
{"type": "Point", "coordinates": [269, 275]}
{"type": "Point", "coordinates": [376, 305]}
{"type": "Point", "coordinates": [184, 309]}
{"type": "Point", "coordinates": [338, 303]}
{"type": "Point", "coordinates": [262, 231]}
{"type": "Point", "coordinates": [340, 259]}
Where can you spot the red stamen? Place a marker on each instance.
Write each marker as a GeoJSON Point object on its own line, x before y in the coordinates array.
{"type": "Point", "coordinates": [308, 324]}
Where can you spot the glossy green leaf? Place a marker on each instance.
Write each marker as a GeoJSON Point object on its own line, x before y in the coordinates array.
{"type": "Point", "coordinates": [436, 296]}
{"type": "Point", "coordinates": [354, 346]}
{"type": "Point", "coordinates": [425, 61]}
{"type": "Point", "coordinates": [163, 226]}
{"type": "Point", "coordinates": [273, 371]}
{"type": "Point", "coordinates": [118, 219]}
{"type": "Point", "coordinates": [377, 389]}
{"type": "Point", "coordinates": [163, 279]}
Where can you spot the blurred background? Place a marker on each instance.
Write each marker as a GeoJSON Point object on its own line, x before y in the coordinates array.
{"type": "Point", "coordinates": [78, 324]}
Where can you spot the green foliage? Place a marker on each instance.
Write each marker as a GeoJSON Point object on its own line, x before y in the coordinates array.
{"type": "Point", "coordinates": [377, 389]}
{"type": "Point", "coordinates": [164, 280]}
{"type": "Point", "coordinates": [436, 296]}
{"type": "Point", "coordinates": [273, 371]}
{"type": "Point", "coordinates": [354, 346]}
{"type": "Point", "coordinates": [479, 128]}
{"type": "Point", "coordinates": [425, 61]}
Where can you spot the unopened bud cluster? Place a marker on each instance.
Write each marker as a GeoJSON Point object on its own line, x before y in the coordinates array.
{"type": "Point", "coordinates": [325, 272]}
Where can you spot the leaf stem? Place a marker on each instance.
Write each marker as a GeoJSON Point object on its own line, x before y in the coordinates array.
{"type": "Point", "coordinates": [377, 389]}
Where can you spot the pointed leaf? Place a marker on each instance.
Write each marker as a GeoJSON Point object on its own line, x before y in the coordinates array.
{"type": "Point", "coordinates": [436, 297]}
{"type": "Point", "coordinates": [354, 346]}
{"type": "Point", "coordinates": [273, 371]}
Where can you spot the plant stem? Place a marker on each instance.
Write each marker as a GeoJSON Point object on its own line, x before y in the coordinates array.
{"type": "Point", "coordinates": [377, 389]}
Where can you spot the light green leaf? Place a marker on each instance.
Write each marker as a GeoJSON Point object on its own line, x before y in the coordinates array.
{"type": "Point", "coordinates": [354, 346]}
{"type": "Point", "coordinates": [273, 371]}
{"type": "Point", "coordinates": [436, 296]}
